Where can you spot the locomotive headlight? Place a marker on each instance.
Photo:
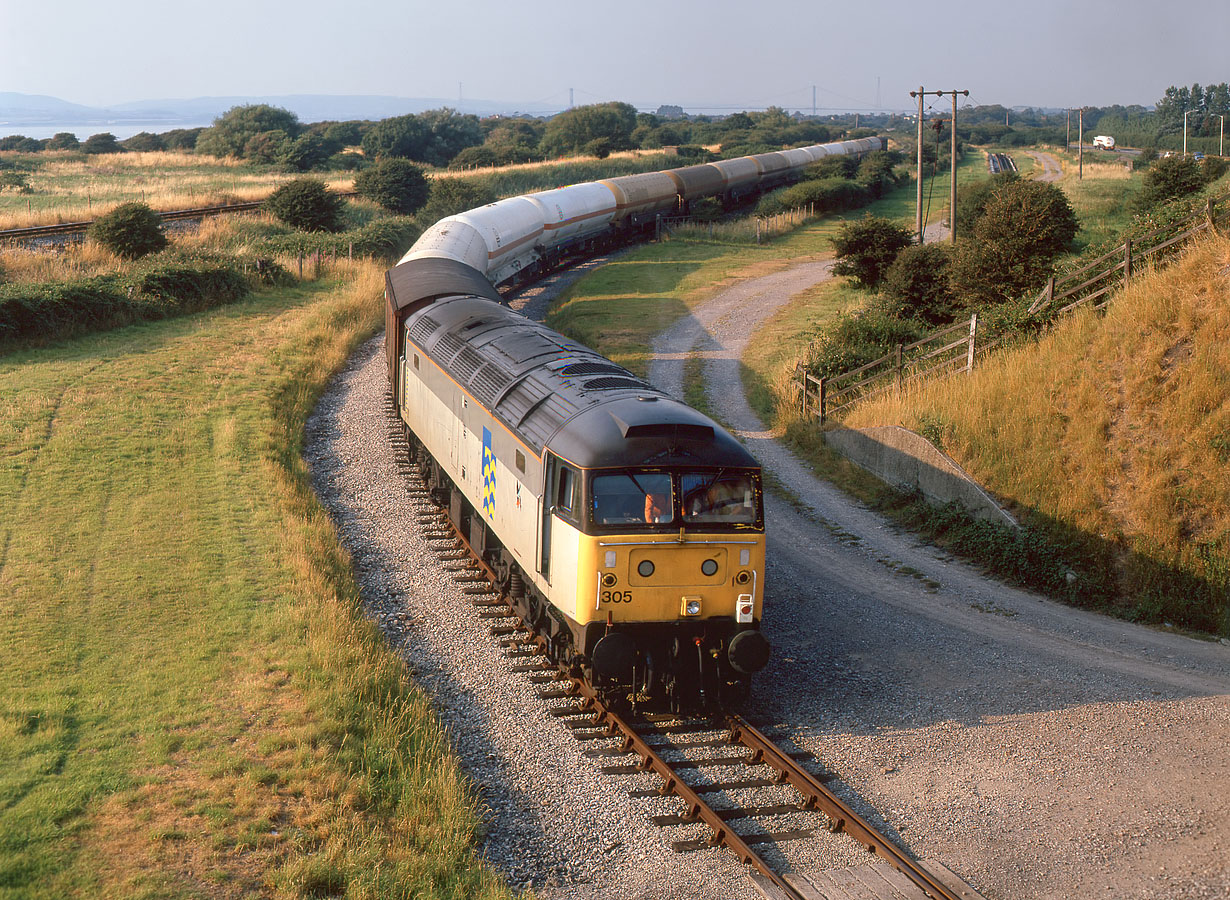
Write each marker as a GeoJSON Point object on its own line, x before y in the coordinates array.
{"type": "Point", "coordinates": [709, 567]}
{"type": "Point", "coordinates": [644, 568]}
{"type": "Point", "coordinates": [691, 606]}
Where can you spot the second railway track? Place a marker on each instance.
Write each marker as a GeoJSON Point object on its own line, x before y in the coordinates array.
{"type": "Point", "coordinates": [733, 785]}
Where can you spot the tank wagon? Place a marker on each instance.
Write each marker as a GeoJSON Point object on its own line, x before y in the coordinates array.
{"type": "Point", "coordinates": [626, 527]}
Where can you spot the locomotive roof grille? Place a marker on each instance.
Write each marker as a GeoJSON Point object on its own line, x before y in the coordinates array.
{"type": "Point", "coordinates": [612, 383]}
{"type": "Point", "coordinates": [593, 368]}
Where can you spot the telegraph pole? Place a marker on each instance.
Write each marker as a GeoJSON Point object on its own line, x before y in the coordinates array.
{"type": "Point", "coordinates": [952, 195]}
{"type": "Point", "coordinates": [1067, 140]}
{"type": "Point", "coordinates": [813, 101]}
{"type": "Point", "coordinates": [952, 215]}
{"type": "Point", "coordinates": [1080, 145]}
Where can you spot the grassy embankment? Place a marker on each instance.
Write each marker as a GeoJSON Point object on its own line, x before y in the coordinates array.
{"type": "Point", "coordinates": [1117, 446]}
{"type": "Point", "coordinates": [191, 701]}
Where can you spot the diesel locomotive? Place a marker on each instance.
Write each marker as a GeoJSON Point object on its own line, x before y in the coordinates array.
{"type": "Point", "coordinates": [626, 528]}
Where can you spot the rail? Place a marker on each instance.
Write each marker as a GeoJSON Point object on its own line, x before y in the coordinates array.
{"type": "Point", "coordinates": [932, 356]}
{"type": "Point", "coordinates": [598, 719]}
{"type": "Point", "coordinates": [17, 235]}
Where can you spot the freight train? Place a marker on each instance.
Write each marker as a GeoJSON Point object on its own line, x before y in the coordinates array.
{"type": "Point", "coordinates": [626, 528]}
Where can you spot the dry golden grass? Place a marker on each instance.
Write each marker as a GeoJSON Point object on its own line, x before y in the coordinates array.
{"type": "Point", "coordinates": [73, 189]}
{"type": "Point", "coordinates": [1116, 424]}
{"type": "Point", "coordinates": [1107, 170]}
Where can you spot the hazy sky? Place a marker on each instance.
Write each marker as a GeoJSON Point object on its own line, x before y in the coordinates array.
{"type": "Point", "coordinates": [648, 52]}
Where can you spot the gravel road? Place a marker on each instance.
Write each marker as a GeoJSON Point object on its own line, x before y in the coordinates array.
{"type": "Point", "coordinates": [1038, 751]}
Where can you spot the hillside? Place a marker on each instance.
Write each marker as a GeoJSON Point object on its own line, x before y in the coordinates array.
{"type": "Point", "coordinates": [1111, 437]}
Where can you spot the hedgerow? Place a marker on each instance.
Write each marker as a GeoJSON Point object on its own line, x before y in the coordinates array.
{"type": "Point", "coordinates": [32, 313]}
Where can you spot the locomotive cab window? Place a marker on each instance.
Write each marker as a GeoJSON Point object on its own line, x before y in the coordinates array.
{"type": "Point", "coordinates": [719, 498]}
{"type": "Point", "coordinates": [566, 492]}
{"type": "Point", "coordinates": [632, 498]}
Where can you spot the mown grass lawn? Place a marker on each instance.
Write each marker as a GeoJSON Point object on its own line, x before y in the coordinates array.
{"type": "Point", "coordinates": [191, 702]}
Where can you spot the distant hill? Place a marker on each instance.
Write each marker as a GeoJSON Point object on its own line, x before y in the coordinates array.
{"type": "Point", "coordinates": [34, 110]}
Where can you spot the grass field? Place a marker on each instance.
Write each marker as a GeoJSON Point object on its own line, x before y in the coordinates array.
{"type": "Point", "coordinates": [191, 701]}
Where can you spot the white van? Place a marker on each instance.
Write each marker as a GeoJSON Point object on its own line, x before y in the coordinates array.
{"type": "Point", "coordinates": [1104, 141]}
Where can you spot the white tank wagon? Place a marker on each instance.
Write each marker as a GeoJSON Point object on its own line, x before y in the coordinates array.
{"type": "Point", "coordinates": [519, 237]}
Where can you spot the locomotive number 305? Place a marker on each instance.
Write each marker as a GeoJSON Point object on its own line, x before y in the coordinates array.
{"type": "Point", "coordinates": [616, 596]}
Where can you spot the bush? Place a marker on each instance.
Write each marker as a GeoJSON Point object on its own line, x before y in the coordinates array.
{"type": "Point", "coordinates": [866, 249]}
{"type": "Point", "coordinates": [382, 239]}
{"type": "Point", "coordinates": [308, 151]}
{"type": "Point", "coordinates": [397, 185]}
{"type": "Point", "coordinates": [853, 341]}
{"type": "Point", "coordinates": [827, 195]}
{"type": "Point", "coordinates": [230, 133]}
{"type": "Point", "coordinates": [972, 200]}
{"type": "Point", "coordinates": [1013, 245]}
{"type": "Point", "coordinates": [916, 285]}
{"type": "Point", "coordinates": [599, 147]}
{"type": "Point", "coordinates": [144, 142]}
{"type": "Point", "coordinates": [306, 204]}
{"type": "Point", "coordinates": [475, 157]}
{"type": "Point", "coordinates": [63, 140]}
{"type": "Point", "coordinates": [164, 288]}
{"type": "Point", "coordinates": [131, 231]}
{"type": "Point", "coordinates": [1168, 179]}
{"type": "Point", "coordinates": [102, 143]}
{"type": "Point", "coordinates": [833, 167]}
{"type": "Point", "coordinates": [450, 196]}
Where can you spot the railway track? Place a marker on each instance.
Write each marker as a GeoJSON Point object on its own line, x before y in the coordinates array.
{"type": "Point", "coordinates": [34, 232]}
{"type": "Point", "coordinates": [1000, 162]}
{"type": "Point", "coordinates": [691, 758]}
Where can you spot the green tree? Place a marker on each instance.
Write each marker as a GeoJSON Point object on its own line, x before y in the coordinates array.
{"type": "Point", "coordinates": [448, 133]}
{"type": "Point", "coordinates": [143, 142]}
{"type": "Point", "coordinates": [402, 136]}
{"type": "Point", "coordinates": [266, 147]}
{"type": "Point", "coordinates": [102, 143]}
{"type": "Point", "coordinates": [1012, 247]}
{"type": "Point", "coordinates": [308, 151]}
{"type": "Point", "coordinates": [450, 196]}
{"type": "Point", "coordinates": [230, 132]}
{"type": "Point", "coordinates": [306, 204]}
{"type": "Point", "coordinates": [1168, 179]}
{"type": "Point", "coordinates": [866, 248]}
{"type": "Point", "coordinates": [131, 231]}
{"type": "Point", "coordinates": [63, 140]}
{"type": "Point", "coordinates": [397, 185]}
{"type": "Point", "coordinates": [972, 200]}
{"type": "Point", "coordinates": [572, 129]}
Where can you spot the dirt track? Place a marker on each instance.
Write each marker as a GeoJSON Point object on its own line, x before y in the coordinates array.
{"type": "Point", "coordinates": [1039, 751]}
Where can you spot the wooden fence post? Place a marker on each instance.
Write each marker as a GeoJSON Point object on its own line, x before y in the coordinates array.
{"type": "Point", "coordinates": [1127, 260]}
{"type": "Point", "coordinates": [900, 373]}
{"type": "Point", "coordinates": [1209, 212]}
{"type": "Point", "coordinates": [823, 400]}
{"type": "Point", "coordinates": [973, 332]}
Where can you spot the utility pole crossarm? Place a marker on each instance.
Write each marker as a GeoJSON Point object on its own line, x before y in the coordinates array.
{"type": "Point", "coordinates": [952, 214]}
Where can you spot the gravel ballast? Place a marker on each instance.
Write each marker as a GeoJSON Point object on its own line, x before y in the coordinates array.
{"type": "Point", "coordinates": [1036, 750]}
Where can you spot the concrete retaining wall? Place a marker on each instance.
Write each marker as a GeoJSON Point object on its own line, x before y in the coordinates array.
{"type": "Point", "coordinates": [909, 461]}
